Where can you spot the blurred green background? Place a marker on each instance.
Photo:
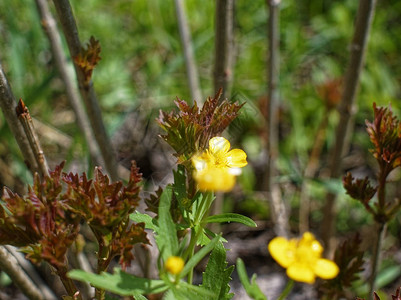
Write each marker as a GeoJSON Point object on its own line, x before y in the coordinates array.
{"type": "Point", "coordinates": [143, 69]}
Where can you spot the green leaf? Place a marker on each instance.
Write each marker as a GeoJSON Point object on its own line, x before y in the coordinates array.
{"type": "Point", "coordinates": [251, 288]}
{"type": "Point", "coordinates": [180, 188]}
{"type": "Point", "coordinates": [120, 282]}
{"type": "Point", "coordinates": [166, 237]}
{"type": "Point", "coordinates": [185, 291]}
{"type": "Point", "coordinates": [198, 257]}
{"type": "Point", "coordinates": [216, 277]}
{"type": "Point", "coordinates": [231, 217]}
{"type": "Point", "coordinates": [150, 223]}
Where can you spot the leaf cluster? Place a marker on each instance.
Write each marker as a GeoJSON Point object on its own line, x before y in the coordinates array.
{"type": "Point", "coordinates": [349, 259]}
{"type": "Point", "coordinates": [39, 221]}
{"type": "Point", "coordinates": [189, 129]}
{"type": "Point", "coordinates": [88, 58]}
{"type": "Point", "coordinates": [397, 295]}
{"type": "Point", "coordinates": [385, 134]}
{"type": "Point", "coordinates": [46, 220]}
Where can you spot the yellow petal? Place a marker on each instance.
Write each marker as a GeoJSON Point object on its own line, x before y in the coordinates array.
{"type": "Point", "coordinates": [199, 161]}
{"type": "Point", "coordinates": [282, 251]}
{"type": "Point", "coordinates": [218, 145]}
{"type": "Point", "coordinates": [301, 272]}
{"type": "Point", "coordinates": [325, 268]}
{"type": "Point", "coordinates": [215, 179]}
{"type": "Point", "coordinates": [236, 158]}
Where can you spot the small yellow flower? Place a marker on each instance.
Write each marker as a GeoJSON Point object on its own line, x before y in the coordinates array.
{"type": "Point", "coordinates": [174, 264]}
{"type": "Point", "coordinates": [216, 168]}
{"type": "Point", "coordinates": [302, 258]}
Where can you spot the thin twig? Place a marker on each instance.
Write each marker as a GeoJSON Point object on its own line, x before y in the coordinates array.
{"type": "Point", "coordinates": [30, 271]}
{"type": "Point", "coordinates": [9, 264]}
{"type": "Point", "coordinates": [273, 70]}
{"type": "Point", "coordinates": [310, 171]}
{"type": "Point", "coordinates": [381, 230]}
{"type": "Point", "coordinates": [67, 20]}
{"type": "Point", "coordinates": [346, 109]}
{"type": "Point", "coordinates": [224, 45]}
{"type": "Point", "coordinates": [7, 104]}
{"type": "Point", "coordinates": [185, 35]}
{"type": "Point", "coordinates": [26, 121]}
{"type": "Point", "coordinates": [49, 26]}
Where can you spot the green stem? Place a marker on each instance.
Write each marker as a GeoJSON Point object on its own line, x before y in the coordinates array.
{"type": "Point", "coordinates": [197, 229]}
{"type": "Point", "coordinates": [286, 290]}
{"type": "Point", "coordinates": [68, 283]}
{"type": "Point", "coordinates": [376, 258]}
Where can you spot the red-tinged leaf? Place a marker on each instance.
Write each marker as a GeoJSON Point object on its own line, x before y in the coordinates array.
{"type": "Point", "coordinates": [189, 129]}
{"type": "Point", "coordinates": [88, 59]}
{"type": "Point", "coordinates": [397, 295]}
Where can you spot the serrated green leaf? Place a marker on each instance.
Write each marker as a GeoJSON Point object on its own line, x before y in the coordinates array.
{"type": "Point", "coordinates": [216, 277]}
{"type": "Point", "coordinates": [185, 291]}
{"type": "Point", "coordinates": [180, 189]}
{"type": "Point", "coordinates": [120, 282]}
{"type": "Point", "coordinates": [139, 297]}
{"type": "Point", "coordinates": [231, 217]}
{"type": "Point", "coordinates": [150, 223]}
{"type": "Point", "coordinates": [251, 288]}
{"type": "Point", "coordinates": [198, 257]}
{"type": "Point", "coordinates": [166, 238]}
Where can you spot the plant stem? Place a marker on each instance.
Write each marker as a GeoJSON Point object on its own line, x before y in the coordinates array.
{"type": "Point", "coordinates": [7, 104]}
{"type": "Point", "coordinates": [27, 267]}
{"type": "Point", "coordinates": [185, 35]}
{"type": "Point", "coordinates": [271, 146]}
{"type": "Point", "coordinates": [49, 26]}
{"type": "Point", "coordinates": [9, 265]}
{"type": "Point", "coordinates": [68, 283]}
{"type": "Point", "coordinates": [310, 171]}
{"type": "Point", "coordinates": [224, 45]}
{"type": "Point", "coordinates": [87, 91]}
{"type": "Point", "coordinates": [286, 290]}
{"type": "Point", "coordinates": [376, 258]}
{"type": "Point", "coordinates": [25, 118]}
{"type": "Point", "coordinates": [346, 108]}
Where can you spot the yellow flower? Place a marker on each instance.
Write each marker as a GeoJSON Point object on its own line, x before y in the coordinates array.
{"type": "Point", "coordinates": [216, 168]}
{"type": "Point", "coordinates": [174, 264]}
{"type": "Point", "coordinates": [302, 258]}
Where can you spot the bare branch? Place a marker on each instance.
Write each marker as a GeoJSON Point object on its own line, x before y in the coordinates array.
{"type": "Point", "coordinates": [86, 89]}
{"type": "Point", "coordinates": [273, 70]}
{"type": "Point", "coordinates": [8, 104]}
{"type": "Point", "coordinates": [9, 264]}
{"type": "Point", "coordinates": [224, 44]}
{"type": "Point", "coordinates": [346, 109]}
{"type": "Point", "coordinates": [49, 26]}
{"type": "Point", "coordinates": [26, 121]}
{"type": "Point", "coordinates": [185, 35]}
{"type": "Point", "coordinates": [31, 272]}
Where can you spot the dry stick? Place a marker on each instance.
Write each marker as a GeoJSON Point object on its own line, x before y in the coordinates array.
{"type": "Point", "coordinates": [26, 121]}
{"type": "Point", "coordinates": [358, 48]}
{"type": "Point", "coordinates": [7, 104]}
{"type": "Point", "coordinates": [87, 91]}
{"type": "Point", "coordinates": [310, 171]}
{"type": "Point", "coordinates": [49, 26]}
{"type": "Point", "coordinates": [30, 271]}
{"type": "Point", "coordinates": [376, 257]}
{"type": "Point", "coordinates": [223, 60]}
{"type": "Point", "coordinates": [224, 45]}
{"type": "Point", "coordinates": [273, 69]}
{"type": "Point", "coordinates": [9, 264]}
{"type": "Point", "coordinates": [185, 35]}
